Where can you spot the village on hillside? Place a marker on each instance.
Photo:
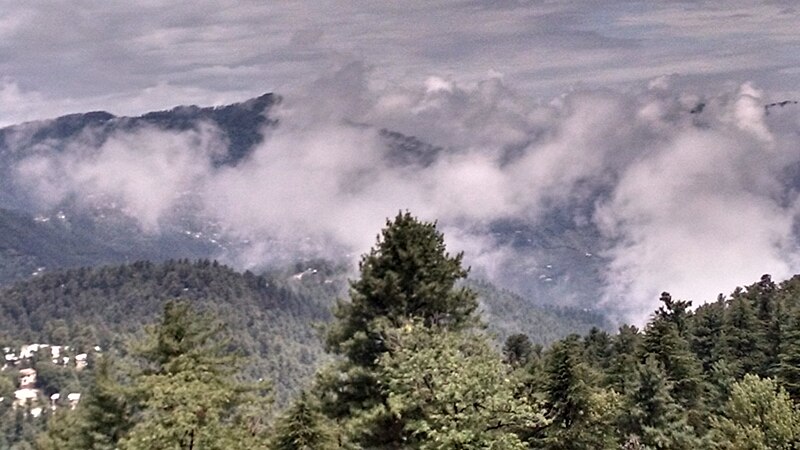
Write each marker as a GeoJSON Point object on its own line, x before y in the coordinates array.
{"type": "Point", "coordinates": [33, 394]}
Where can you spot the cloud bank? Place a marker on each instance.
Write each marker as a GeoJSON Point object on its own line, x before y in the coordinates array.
{"type": "Point", "coordinates": [133, 57]}
{"type": "Point", "coordinates": [687, 191]}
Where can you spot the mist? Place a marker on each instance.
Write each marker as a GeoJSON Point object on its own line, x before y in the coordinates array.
{"type": "Point", "coordinates": [689, 199]}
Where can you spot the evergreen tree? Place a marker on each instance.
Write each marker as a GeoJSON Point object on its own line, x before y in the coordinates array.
{"type": "Point", "coordinates": [788, 368]}
{"type": "Point", "coordinates": [707, 340]}
{"type": "Point", "coordinates": [517, 350]}
{"type": "Point", "coordinates": [101, 419]}
{"type": "Point", "coordinates": [577, 410]}
{"type": "Point", "coordinates": [653, 416]}
{"type": "Point", "coordinates": [666, 339]}
{"type": "Point", "coordinates": [758, 416]}
{"type": "Point", "coordinates": [303, 427]}
{"type": "Point", "coordinates": [768, 312]}
{"type": "Point", "coordinates": [626, 350]}
{"type": "Point", "coordinates": [597, 348]}
{"type": "Point", "coordinates": [189, 396]}
{"type": "Point", "coordinates": [408, 275]}
{"type": "Point", "coordinates": [741, 334]}
{"type": "Point", "coordinates": [450, 390]}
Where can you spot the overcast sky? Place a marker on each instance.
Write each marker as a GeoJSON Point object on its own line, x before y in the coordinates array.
{"type": "Point", "coordinates": [133, 56]}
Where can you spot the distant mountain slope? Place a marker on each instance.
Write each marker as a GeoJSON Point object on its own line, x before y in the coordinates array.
{"type": "Point", "coordinates": [241, 123]}
{"type": "Point", "coordinates": [33, 244]}
{"type": "Point", "coordinates": [508, 313]}
{"type": "Point", "coordinates": [32, 241]}
{"type": "Point", "coordinates": [559, 261]}
{"type": "Point", "coordinates": [273, 317]}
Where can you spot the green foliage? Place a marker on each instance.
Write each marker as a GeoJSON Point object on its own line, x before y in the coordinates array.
{"type": "Point", "coordinates": [412, 366]}
{"type": "Point", "coordinates": [707, 339]}
{"type": "Point", "coordinates": [102, 417]}
{"type": "Point", "coordinates": [449, 389]}
{"type": "Point", "coordinates": [667, 340]}
{"type": "Point", "coordinates": [758, 416]}
{"type": "Point", "coordinates": [271, 317]}
{"type": "Point", "coordinates": [626, 350]}
{"type": "Point", "coordinates": [407, 276]}
{"type": "Point", "coordinates": [517, 350]}
{"type": "Point", "coordinates": [741, 334]}
{"type": "Point", "coordinates": [653, 416]}
{"type": "Point", "coordinates": [304, 427]}
{"type": "Point", "coordinates": [788, 367]}
{"type": "Point", "coordinates": [582, 415]}
{"type": "Point", "coordinates": [188, 393]}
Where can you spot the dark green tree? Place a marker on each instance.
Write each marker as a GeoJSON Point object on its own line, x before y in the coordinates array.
{"type": "Point", "coordinates": [742, 334]}
{"type": "Point", "coordinates": [626, 351]}
{"type": "Point", "coordinates": [666, 339]}
{"type": "Point", "coordinates": [788, 367]}
{"type": "Point", "coordinates": [517, 350]}
{"type": "Point", "coordinates": [653, 417]}
{"type": "Point", "coordinates": [303, 427]}
{"type": "Point", "coordinates": [188, 392]}
{"type": "Point", "coordinates": [101, 419]}
{"type": "Point", "coordinates": [581, 414]}
{"type": "Point", "coordinates": [707, 340]}
{"type": "Point", "coordinates": [407, 276]}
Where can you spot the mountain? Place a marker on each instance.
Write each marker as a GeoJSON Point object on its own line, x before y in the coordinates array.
{"type": "Point", "coordinates": [35, 239]}
{"type": "Point", "coordinates": [558, 259]}
{"type": "Point", "coordinates": [560, 264]}
{"type": "Point", "coordinates": [273, 317]}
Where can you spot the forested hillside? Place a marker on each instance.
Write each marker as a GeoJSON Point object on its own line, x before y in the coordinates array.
{"type": "Point", "coordinates": [271, 317]}
{"type": "Point", "coordinates": [410, 363]}
{"type": "Point", "coordinates": [274, 318]}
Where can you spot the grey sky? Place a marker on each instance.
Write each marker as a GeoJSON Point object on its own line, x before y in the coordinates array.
{"type": "Point", "coordinates": [130, 57]}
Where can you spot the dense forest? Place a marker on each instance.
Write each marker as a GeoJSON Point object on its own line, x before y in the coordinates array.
{"type": "Point", "coordinates": [410, 364]}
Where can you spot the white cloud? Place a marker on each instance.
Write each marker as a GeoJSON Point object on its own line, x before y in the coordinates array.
{"type": "Point", "coordinates": [688, 203]}
{"type": "Point", "coordinates": [87, 50]}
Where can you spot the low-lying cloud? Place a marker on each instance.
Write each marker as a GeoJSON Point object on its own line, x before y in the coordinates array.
{"type": "Point", "coordinates": [686, 189]}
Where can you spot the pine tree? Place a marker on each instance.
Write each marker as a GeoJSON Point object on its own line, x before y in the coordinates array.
{"type": "Point", "coordinates": [666, 340]}
{"type": "Point", "coordinates": [741, 333]}
{"type": "Point", "coordinates": [407, 276]}
{"type": "Point", "coordinates": [707, 333]}
{"type": "Point", "coordinates": [450, 390]}
{"type": "Point", "coordinates": [188, 392]}
{"type": "Point", "coordinates": [578, 410]}
{"type": "Point", "coordinates": [626, 350]}
{"type": "Point", "coordinates": [788, 368]}
{"type": "Point", "coordinates": [759, 415]}
{"type": "Point", "coordinates": [597, 349]}
{"type": "Point", "coordinates": [517, 350]}
{"type": "Point", "coordinates": [303, 427]}
{"type": "Point", "coordinates": [653, 416]}
{"type": "Point", "coordinates": [101, 419]}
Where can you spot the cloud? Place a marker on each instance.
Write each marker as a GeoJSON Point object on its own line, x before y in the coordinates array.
{"type": "Point", "coordinates": [679, 201]}
{"type": "Point", "coordinates": [148, 172]}
{"type": "Point", "coordinates": [86, 51]}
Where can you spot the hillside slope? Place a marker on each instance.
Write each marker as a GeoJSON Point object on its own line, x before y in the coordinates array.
{"type": "Point", "coordinates": [274, 318]}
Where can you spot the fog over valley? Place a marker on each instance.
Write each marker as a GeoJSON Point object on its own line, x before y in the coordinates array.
{"type": "Point", "coordinates": [582, 156]}
{"type": "Point", "coordinates": [600, 198]}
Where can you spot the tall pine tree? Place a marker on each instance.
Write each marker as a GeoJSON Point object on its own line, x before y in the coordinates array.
{"type": "Point", "coordinates": [407, 276]}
